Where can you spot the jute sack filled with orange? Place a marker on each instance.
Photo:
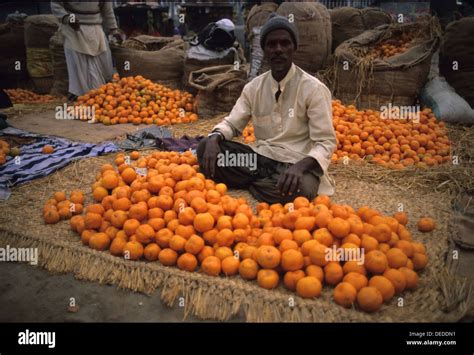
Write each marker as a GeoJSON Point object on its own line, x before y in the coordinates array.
{"type": "Point", "coordinates": [389, 64]}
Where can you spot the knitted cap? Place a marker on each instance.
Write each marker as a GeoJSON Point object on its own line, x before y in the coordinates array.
{"type": "Point", "coordinates": [277, 22]}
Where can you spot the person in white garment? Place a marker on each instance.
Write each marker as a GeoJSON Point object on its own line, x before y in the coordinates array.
{"type": "Point", "coordinates": [291, 114]}
{"type": "Point", "coordinates": [88, 56]}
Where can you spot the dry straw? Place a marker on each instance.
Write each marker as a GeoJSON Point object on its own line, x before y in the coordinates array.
{"type": "Point", "coordinates": [441, 295]}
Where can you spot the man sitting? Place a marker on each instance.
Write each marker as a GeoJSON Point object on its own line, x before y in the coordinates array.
{"type": "Point", "coordinates": [292, 119]}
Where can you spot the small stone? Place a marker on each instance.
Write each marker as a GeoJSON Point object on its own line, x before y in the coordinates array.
{"type": "Point", "coordinates": [73, 309]}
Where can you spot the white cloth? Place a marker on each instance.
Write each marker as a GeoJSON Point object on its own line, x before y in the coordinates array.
{"type": "Point", "coordinates": [89, 39]}
{"type": "Point", "coordinates": [299, 125]}
{"type": "Point", "coordinates": [199, 52]}
{"type": "Point", "coordinates": [87, 72]}
{"type": "Point", "coordinates": [226, 24]}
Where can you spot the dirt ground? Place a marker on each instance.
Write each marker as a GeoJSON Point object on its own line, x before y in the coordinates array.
{"type": "Point", "coordinates": [31, 294]}
{"type": "Point", "coordinates": [74, 130]}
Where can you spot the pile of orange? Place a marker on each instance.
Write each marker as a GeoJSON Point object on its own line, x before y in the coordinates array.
{"type": "Point", "coordinates": [394, 143]}
{"type": "Point", "coordinates": [393, 46]}
{"type": "Point", "coordinates": [138, 100]}
{"type": "Point", "coordinates": [60, 207]}
{"type": "Point", "coordinates": [21, 96]}
{"type": "Point", "coordinates": [160, 208]}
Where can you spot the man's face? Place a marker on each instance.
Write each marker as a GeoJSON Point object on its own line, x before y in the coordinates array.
{"type": "Point", "coordinates": [278, 50]}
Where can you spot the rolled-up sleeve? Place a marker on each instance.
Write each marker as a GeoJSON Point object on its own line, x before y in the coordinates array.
{"type": "Point", "coordinates": [233, 124]}
{"type": "Point", "coordinates": [108, 16]}
{"type": "Point", "coordinates": [57, 9]}
{"type": "Point", "coordinates": [321, 130]}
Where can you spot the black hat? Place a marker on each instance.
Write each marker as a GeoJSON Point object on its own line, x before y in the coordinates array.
{"type": "Point", "coordinates": [277, 22]}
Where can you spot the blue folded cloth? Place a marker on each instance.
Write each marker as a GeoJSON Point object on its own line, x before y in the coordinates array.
{"type": "Point", "coordinates": [32, 163]}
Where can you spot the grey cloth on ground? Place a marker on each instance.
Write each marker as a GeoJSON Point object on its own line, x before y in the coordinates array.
{"type": "Point", "coordinates": [144, 138]}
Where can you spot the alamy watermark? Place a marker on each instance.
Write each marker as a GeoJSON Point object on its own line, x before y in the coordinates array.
{"type": "Point", "coordinates": [244, 160]}
{"type": "Point", "coordinates": [391, 112]}
{"type": "Point", "coordinates": [343, 254]}
{"type": "Point", "coordinates": [83, 113]}
{"type": "Point", "coordinates": [12, 254]}
{"type": "Point", "coordinates": [37, 338]}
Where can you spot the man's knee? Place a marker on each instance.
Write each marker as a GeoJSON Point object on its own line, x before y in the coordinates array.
{"type": "Point", "coordinates": [309, 186]}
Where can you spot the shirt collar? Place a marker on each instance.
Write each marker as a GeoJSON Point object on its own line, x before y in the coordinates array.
{"type": "Point", "coordinates": [284, 81]}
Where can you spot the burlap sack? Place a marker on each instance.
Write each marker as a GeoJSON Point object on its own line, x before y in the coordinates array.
{"type": "Point", "coordinates": [257, 16]}
{"type": "Point", "coordinates": [148, 43]}
{"type": "Point", "coordinates": [161, 59]}
{"type": "Point", "coordinates": [192, 64]}
{"type": "Point", "coordinates": [373, 17]}
{"type": "Point", "coordinates": [39, 62]}
{"type": "Point", "coordinates": [349, 22]}
{"type": "Point", "coordinates": [60, 75]}
{"type": "Point", "coordinates": [218, 88]}
{"type": "Point", "coordinates": [314, 30]}
{"type": "Point", "coordinates": [371, 83]}
{"type": "Point", "coordinates": [12, 49]}
{"type": "Point", "coordinates": [458, 48]}
{"type": "Point", "coordinates": [39, 29]}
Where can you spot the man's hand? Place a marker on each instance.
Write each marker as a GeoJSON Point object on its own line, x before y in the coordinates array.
{"type": "Point", "coordinates": [290, 181]}
{"type": "Point", "coordinates": [117, 36]}
{"type": "Point", "coordinates": [210, 155]}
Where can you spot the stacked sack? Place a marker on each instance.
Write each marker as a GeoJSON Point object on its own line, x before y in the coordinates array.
{"type": "Point", "coordinates": [58, 59]}
{"type": "Point", "coordinates": [38, 31]}
{"type": "Point", "coordinates": [159, 59]}
{"type": "Point", "coordinates": [349, 22]}
{"type": "Point", "coordinates": [457, 57]}
{"type": "Point", "coordinates": [13, 59]}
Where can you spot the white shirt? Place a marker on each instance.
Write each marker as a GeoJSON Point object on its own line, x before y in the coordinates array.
{"type": "Point", "coordinates": [299, 125]}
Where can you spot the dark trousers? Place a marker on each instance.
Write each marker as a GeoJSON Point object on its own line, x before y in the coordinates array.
{"type": "Point", "coordinates": [262, 181]}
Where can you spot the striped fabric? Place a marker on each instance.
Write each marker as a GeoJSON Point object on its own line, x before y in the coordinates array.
{"type": "Point", "coordinates": [33, 164]}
